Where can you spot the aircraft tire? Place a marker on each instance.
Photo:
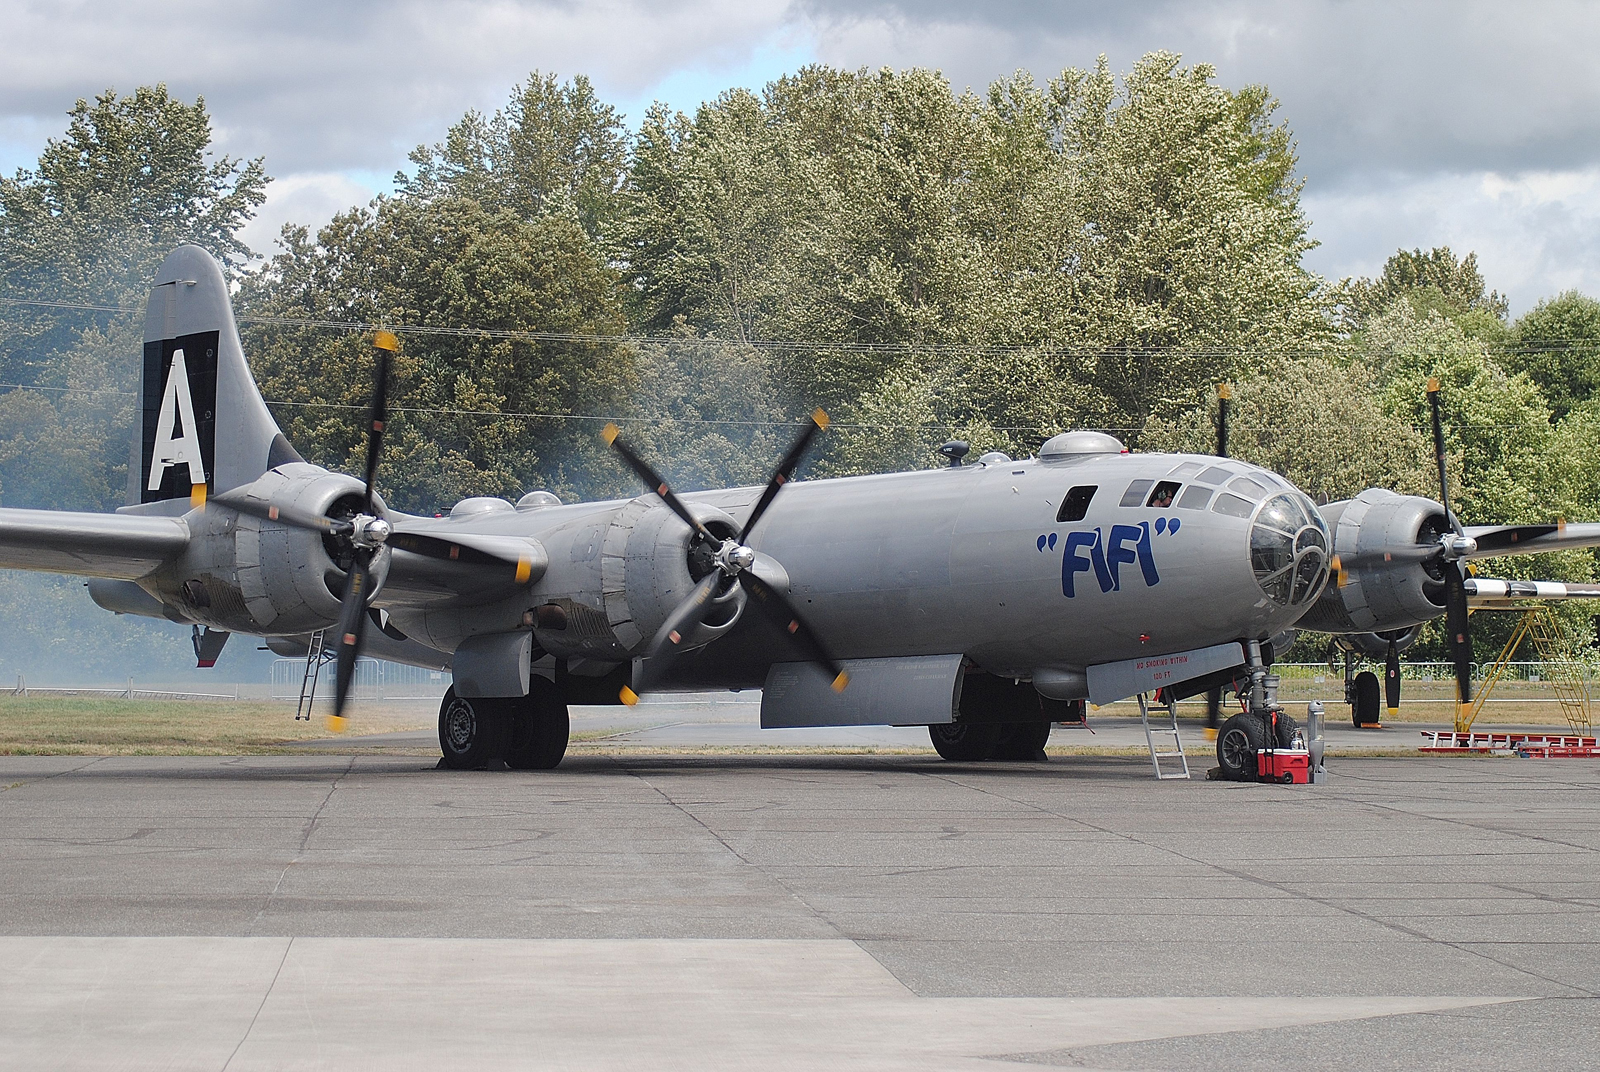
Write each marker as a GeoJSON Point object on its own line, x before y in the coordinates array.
{"type": "Point", "coordinates": [1023, 742]}
{"type": "Point", "coordinates": [539, 728]}
{"type": "Point", "coordinates": [965, 742]}
{"type": "Point", "coordinates": [472, 732]}
{"type": "Point", "coordinates": [1368, 695]}
{"type": "Point", "coordinates": [1237, 742]}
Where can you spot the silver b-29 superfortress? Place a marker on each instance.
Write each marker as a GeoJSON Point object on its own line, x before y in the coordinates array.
{"type": "Point", "coordinates": [979, 600]}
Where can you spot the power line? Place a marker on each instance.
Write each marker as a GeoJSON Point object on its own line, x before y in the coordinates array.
{"type": "Point", "coordinates": [787, 345]}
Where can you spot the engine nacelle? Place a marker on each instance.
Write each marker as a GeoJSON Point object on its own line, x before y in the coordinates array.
{"type": "Point", "coordinates": [639, 568]}
{"type": "Point", "coordinates": [267, 579]}
{"type": "Point", "coordinates": [1378, 596]}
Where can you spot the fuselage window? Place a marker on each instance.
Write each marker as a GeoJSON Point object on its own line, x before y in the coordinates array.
{"type": "Point", "coordinates": [1194, 497]}
{"type": "Point", "coordinates": [1162, 494]}
{"type": "Point", "coordinates": [1134, 496]}
{"type": "Point", "coordinates": [1076, 504]}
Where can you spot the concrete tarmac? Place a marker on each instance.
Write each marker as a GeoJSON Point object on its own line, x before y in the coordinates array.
{"type": "Point", "coordinates": [795, 912]}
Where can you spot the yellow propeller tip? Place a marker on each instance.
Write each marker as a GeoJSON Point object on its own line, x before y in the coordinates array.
{"type": "Point", "coordinates": [841, 681]}
{"type": "Point", "coordinates": [336, 723]}
{"type": "Point", "coordinates": [628, 696]}
{"type": "Point", "coordinates": [1224, 390]}
{"type": "Point", "coordinates": [386, 340]}
{"type": "Point", "coordinates": [609, 433]}
{"type": "Point", "coordinates": [1433, 384]}
{"type": "Point", "coordinates": [820, 416]}
{"type": "Point", "coordinates": [197, 495]}
{"type": "Point", "coordinates": [524, 570]}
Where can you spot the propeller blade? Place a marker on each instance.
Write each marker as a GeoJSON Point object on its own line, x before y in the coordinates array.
{"type": "Point", "coordinates": [666, 644]}
{"type": "Point", "coordinates": [1503, 539]}
{"type": "Point", "coordinates": [1224, 403]}
{"type": "Point", "coordinates": [352, 626]}
{"type": "Point", "coordinates": [299, 519]}
{"type": "Point", "coordinates": [777, 607]}
{"type": "Point", "coordinates": [1438, 452]}
{"type": "Point", "coordinates": [1460, 634]}
{"type": "Point", "coordinates": [654, 481]}
{"type": "Point", "coordinates": [1391, 677]}
{"type": "Point", "coordinates": [386, 344]}
{"type": "Point", "coordinates": [785, 470]}
{"type": "Point", "coordinates": [519, 558]}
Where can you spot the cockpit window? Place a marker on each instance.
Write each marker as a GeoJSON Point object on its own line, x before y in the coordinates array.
{"type": "Point", "coordinates": [1186, 469]}
{"type": "Point", "coordinates": [1289, 549]}
{"type": "Point", "coordinates": [1134, 496]}
{"type": "Point", "coordinates": [1248, 488]}
{"type": "Point", "coordinates": [1194, 497]}
{"type": "Point", "coordinates": [1076, 504]}
{"type": "Point", "coordinates": [1161, 495]}
{"type": "Point", "coordinates": [1215, 475]}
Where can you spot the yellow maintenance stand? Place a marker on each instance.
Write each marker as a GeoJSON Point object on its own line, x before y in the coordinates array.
{"type": "Point", "coordinates": [1568, 675]}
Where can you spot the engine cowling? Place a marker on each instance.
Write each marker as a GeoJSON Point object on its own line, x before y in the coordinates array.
{"type": "Point", "coordinates": [245, 574]}
{"type": "Point", "coordinates": [1378, 596]}
{"type": "Point", "coordinates": [648, 563]}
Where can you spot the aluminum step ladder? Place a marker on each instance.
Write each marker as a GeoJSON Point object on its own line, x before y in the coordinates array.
{"type": "Point", "coordinates": [1158, 732]}
{"type": "Point", "coordinates": [316, 655]}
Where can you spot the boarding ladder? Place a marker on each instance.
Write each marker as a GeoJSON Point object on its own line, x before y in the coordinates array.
{"type": "Point", "coordinates": [1153, 733]}
{"type": "Point", "coordinates": [316, 654]}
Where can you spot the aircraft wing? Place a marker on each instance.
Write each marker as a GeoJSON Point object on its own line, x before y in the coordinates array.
{"type": "Point", "coordinates": [1493, 594]}
{"type": "Point", "coordinates": [1496, 540]}
{"type": "Point", "coordinates": [121, 546]}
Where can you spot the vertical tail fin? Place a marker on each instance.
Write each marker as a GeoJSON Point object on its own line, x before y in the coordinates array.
{"type": "Point", "coordinates": [203, 427]}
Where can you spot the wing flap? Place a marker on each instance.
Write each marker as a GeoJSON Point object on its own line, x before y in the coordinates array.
{"type": "Point", "coordinates": [121, 546]}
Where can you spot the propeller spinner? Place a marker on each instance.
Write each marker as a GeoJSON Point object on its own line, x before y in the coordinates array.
{"type": "Point", "coordinates": [732, 561]}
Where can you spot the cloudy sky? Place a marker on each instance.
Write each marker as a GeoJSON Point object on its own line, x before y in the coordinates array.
{"type": "Point", "coordinates": [1469, 123]}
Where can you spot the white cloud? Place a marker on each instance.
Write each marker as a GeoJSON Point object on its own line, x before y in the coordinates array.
{"type": "Point", "coordinates": [319, 87]}
{"type": "Point", "coordinates": [310, 199]}
{"type": "Point", "coordinates": [1535, 234]}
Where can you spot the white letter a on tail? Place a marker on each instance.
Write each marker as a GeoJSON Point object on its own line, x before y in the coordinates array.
{"type": "Point", "coordinates": [176, 408]}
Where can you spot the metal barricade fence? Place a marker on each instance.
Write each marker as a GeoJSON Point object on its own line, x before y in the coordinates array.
{"type": "Point", "coordinates": [375, 680]}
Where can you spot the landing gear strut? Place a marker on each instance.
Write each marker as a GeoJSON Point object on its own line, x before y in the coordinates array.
{"type": "Point", "coordinates": [1263, 725]}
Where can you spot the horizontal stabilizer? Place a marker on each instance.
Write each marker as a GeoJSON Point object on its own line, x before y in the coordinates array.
{"type": "Point", "coordinates": [122, 546]}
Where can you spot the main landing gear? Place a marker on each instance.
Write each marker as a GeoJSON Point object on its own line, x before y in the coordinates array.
{"type": "Point", "coordinates": [976, 742]}
{"type": "Point", "coordinates": [1263, 725]}
{"type": "Point", "coordinates": [526, 732]}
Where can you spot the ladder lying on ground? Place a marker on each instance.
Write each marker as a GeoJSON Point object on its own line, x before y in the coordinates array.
{"type": "Point", "coordinates": [316, 655]}
{"type": "Point", "coordinates": [1530, 745]}
{"type": "Point", "coordinates": [1169, 730]}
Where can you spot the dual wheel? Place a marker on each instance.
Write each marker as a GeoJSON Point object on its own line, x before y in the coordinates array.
{"type": "Point", "coordinates": [1245, 734]}
{"type": "Point", "coordinates": [527, 732]}
{"type": "Point", "coordinates": [976, 742]}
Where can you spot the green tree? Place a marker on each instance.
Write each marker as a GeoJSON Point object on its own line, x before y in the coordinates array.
{"type": "Point", "coordinates": [1436, 280]}
{"type": "Point", "coordinates": [1091, 253]}
{"type": "Point", "coordinates": [445, 263]}
{"type": "Point", "coordinates": [554, 147]}
{"type": "Point", "coordinates": [1320, 422]}
{"type": "Point", "coordinates": [1558, 346]}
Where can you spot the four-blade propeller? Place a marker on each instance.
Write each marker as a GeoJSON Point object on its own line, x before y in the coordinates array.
{"type": "Point", "coordinates": [732, 562]}
{"type": "Point", "coordinates": [364, 535]}
{"type": "Point", "coordinates": [1448, 554]}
